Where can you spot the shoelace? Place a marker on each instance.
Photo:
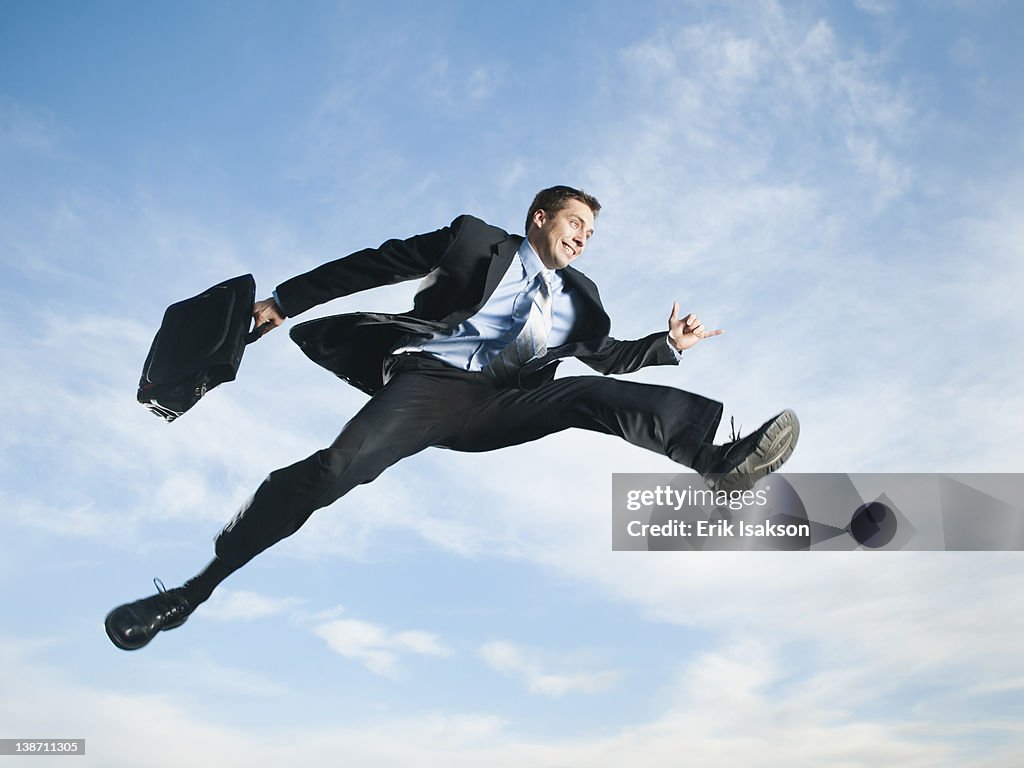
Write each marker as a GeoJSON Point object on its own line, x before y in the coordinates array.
{"type": "Point", "coordinates": [173, 602]}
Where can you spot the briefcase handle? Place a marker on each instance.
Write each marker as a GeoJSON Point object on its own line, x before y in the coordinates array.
{"type": "Point", "coordinates": [257, 332]}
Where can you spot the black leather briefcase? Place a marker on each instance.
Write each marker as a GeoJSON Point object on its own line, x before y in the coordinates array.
{"type": "Point", "coordinates": [199, 345]}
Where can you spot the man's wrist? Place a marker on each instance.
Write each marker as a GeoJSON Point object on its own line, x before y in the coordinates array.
{"type": "Point", "coordinates": [675, 350]}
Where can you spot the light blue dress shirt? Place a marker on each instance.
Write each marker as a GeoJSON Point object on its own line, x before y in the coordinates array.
{"type": "Point", "coordinates": [471, 345]}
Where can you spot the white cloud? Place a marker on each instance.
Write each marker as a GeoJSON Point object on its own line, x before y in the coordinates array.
{"type": "Point", "coordinates": [533, 668]}
{"type": "Point", "coordinates": [210, 677]}
{"type": "Point", "coordinates": [892, 178]}
{"type": "Point", "coordinates": [240, 605]}
{"type": "Point", "coordinates": [417, 641]}
{"type": "Point", "coordinates": [73, 520]}
{"type": "Point", "coordinates": [377, 648]}
{"type": "Point", "coordinates": [731, 706]}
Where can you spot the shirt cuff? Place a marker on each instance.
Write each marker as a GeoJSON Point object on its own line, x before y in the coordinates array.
{"type": "Point", "coordinates": [676, 352]}
{"type": "Point", "coordinates": [278, 302]}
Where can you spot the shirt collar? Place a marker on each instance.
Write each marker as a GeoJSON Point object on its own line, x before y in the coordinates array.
{"type": "Point", "coordinates": [532, 264]}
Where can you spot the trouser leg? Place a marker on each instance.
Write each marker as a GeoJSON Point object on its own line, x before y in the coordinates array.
{"type": "Point", "coordinates": [669, 421]}
{"type": "Point", "coordinates": [416, 409]}
{"type": "Point", "coordinates": [428, 403]}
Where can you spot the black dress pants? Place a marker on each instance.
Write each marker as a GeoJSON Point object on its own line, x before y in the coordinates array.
{"type": "Point", "coordinates": [427, 403]}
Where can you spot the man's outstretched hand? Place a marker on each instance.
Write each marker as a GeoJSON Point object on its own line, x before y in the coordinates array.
{"type": "Point", "coordinates": [687, 331]}
{"type": "Point", "coordinates": [267, 315]}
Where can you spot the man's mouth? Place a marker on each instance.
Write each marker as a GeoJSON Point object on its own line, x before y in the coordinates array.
{"type": "Point", "coordinates": [569, 250]}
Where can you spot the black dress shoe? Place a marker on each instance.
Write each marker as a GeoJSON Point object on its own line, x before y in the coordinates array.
{"type": "Point", "coordinates": [745, 461]}
{"type": "Point", "coordinates": [132, 625]}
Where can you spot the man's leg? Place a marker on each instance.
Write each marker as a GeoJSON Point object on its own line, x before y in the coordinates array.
{"type": "Point", "coordinates": [424, 403]}
{"type": "Point", "coordinates": [669, 421]}
{"type": "Point", "coordinates": [427, 403]}
{"type": "Point", "coordinates": [420, 406]}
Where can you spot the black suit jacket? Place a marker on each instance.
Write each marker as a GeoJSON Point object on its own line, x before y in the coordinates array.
{"type": "Point", "coordinates": [461, 265]}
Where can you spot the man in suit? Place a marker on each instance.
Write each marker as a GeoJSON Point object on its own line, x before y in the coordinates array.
{"type": "Point", "coordinates": [471, 368]}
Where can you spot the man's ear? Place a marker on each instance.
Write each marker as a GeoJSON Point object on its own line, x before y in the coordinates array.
{"type": "Point", "coordinates": [539, 217]}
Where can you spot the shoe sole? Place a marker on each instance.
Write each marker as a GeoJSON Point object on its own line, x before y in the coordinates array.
{"type": "Point", "coordinates": [773, 450]}
{"type": "Point", "coordinates": [107, 625]}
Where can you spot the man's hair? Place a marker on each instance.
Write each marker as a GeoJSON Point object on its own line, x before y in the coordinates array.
{"type": "Point", "coordinates": [554, 199]}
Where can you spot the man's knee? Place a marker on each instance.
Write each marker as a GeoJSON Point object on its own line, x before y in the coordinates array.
{"type": "Point", "coordinates": [350, 467]}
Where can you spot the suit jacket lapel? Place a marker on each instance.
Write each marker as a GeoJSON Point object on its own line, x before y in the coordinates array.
{"type": "Point", "coordinates": [594, 322]}
{"type": "Point", "coordinates": [502, 254]}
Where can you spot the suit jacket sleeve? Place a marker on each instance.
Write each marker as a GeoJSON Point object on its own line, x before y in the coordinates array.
{"type": "Point", "coordinates": [393, 262]}
{"type": "Point", "coordinates": [614, 356]}
{"type": "Point", "coordinates": [602, 352]}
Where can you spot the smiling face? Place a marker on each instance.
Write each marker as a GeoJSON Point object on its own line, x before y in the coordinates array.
{"type": "Point", "coordinates": [560, 237]}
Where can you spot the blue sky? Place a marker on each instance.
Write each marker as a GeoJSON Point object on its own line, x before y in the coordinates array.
{"type": "Point", "coordinates": [838, 185]}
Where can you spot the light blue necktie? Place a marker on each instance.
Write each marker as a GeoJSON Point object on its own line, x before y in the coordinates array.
{"type": "Point", "coordinates": [532, 341]}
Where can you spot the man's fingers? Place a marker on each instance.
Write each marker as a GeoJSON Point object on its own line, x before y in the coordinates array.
{"type": "Point", "coordinates": [691, 324]}
{"type": "Point", "coordinates": [266, 315]}
{"type": "Point", "coordinates": [706, 334]}
{"type": "Point", "coordinates": [265, 321]}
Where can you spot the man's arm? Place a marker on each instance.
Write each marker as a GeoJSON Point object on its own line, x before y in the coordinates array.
{"type": "Point", "coordinates": [614, 356]}
{"type": "Point", "coordinates": [393, 262]}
